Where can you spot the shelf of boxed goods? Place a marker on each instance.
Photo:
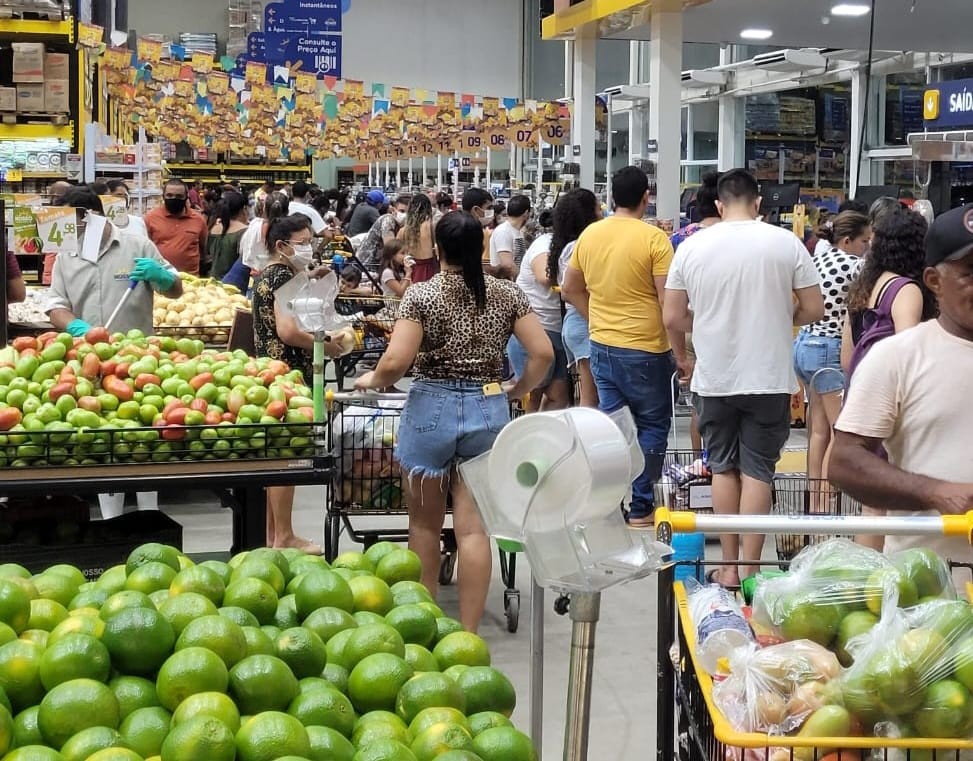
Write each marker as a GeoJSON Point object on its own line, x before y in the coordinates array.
{"type": "Point", "coordinates": [38, 28]}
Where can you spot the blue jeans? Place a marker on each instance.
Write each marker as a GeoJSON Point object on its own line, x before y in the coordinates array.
{"type": "Point", "coordinates": [641, 381]}
{"type": "Point", "coordinates": [817, 362]}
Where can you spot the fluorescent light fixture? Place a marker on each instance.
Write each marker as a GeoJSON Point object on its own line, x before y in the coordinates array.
{"type": "Point", "coordinates": [850, 9]}
{"type": "Point", "coordinates": [756, 34]}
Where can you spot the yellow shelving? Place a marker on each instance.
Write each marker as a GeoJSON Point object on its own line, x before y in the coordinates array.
{"type": "Point", "coordinates": [37, 131]}
{"type": "Point", "coordinates": [38, 27]}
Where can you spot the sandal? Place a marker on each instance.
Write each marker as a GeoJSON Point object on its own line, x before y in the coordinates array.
{"type": "Point", "coordinates": [645, 522]}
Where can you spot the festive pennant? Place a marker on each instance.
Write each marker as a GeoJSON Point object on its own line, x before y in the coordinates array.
{"type": "Point", "coordinates": [256, 73]}
{"type": "Point", "coordinates": [90, 36]}
{"type": "Point", "coordinates": [400, 96]}
{"type": "Point", "coordinates": [149, 50]}
{"type": "Point", "coordinates": [379, 107]}
{"type": "Point", "coordinates": [378, 90]}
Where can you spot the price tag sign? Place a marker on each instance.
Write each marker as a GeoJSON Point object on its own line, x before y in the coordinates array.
{"type": "Point", "coordinates": [14, 175]}
{"type": "Point", "coordinates": [57, 228]}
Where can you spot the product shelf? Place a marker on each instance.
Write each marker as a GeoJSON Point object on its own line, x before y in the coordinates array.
{"type": "Point", "coordinates": [37, 131]}
{"type": "Point", "coordinates": [38, 28]}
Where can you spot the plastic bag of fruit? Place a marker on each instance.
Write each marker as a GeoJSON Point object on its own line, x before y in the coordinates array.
{"type": "Point", "coordinates": [829, 582]}
{"type": "Point", "coordinates": [774, 689]}
{"type": "Point", "coordinates": [915, 670]}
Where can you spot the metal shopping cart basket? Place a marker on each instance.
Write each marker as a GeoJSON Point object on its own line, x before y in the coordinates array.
{"type": "Point", "coordinates": [367, 483]}
{"type": "Point", "coordinates": [373, 318]}
{"type": "Point", "coordinates": [692, 728]}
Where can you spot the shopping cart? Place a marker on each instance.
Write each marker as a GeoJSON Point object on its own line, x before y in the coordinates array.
{"type": "Point", "coordinates": [368, 484]}
{"type": "Point", "coordinates": [373, 319]}
{"type": "Point", "coordinates": [691, 727]}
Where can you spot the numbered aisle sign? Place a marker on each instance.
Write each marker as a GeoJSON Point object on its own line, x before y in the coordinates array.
{"type": "Point", "coordinates": [555, 133]}
{"type": "Point", "coordinates": [57, 229]}
{"type": "Point", "coordinates": [496, 141]}
{"type": "Point", "coordinates": [471, 142]}
{"type": "Point", "coordinates": [522, 136]}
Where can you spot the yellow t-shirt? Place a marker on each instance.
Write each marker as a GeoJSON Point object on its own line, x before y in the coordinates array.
{"type": "Point", "coordinates": [620, 257]}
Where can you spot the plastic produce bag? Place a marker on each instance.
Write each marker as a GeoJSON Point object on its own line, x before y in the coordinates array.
{"type": "Point", "coordinates": [915, 670]}
{"type": "Point", "coordinates": [831, 585]}
{"type": "Point", "coordinates": [310, 302]}
{"type": "Point", "coordinates": [774, 689]}
{"type": "Point", "coordinates": [365, 439]}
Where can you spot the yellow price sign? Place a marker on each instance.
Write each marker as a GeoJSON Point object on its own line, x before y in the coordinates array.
{"type": "Point", "coordinates": [14, 175]}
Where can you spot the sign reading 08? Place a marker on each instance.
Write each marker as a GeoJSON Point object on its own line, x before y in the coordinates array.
{"type": "Point", "coordinates": [949, 105]}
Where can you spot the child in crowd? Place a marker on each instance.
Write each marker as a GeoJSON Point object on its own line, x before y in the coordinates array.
{"type": "Point", "coordinates": [350, 283]}
{"type": "Point", "coordinates": [396, 269]}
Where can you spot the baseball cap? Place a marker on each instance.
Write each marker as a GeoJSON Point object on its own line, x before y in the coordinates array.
{"type": "Point", "coordinates": [375, 196]}
{"type": "Point", "coordinates": [950, 236]}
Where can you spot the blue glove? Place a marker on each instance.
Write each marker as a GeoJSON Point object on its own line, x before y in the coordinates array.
{"type": "Point", "coordinates": [77, 328]}
{"type": "Point", "coordinates": [153, 273]}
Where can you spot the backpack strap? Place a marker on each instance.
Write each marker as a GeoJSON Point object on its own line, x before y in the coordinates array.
{"type": "Point", "coordinates": [886, 297]}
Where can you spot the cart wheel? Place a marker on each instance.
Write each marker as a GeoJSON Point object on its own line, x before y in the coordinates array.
{"type": "Point", "coordinates": [511, 607]}
{"type": "Point", "coordinates": [446, 568]}
{"type": "Point", "coordinates": [332, 531]}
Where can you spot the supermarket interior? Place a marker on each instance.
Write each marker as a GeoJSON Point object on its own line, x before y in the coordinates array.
{"type": "Point", "coordinates": [399, 381]}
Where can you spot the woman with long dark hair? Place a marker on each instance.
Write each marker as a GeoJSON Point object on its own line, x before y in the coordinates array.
{"type": "Point", "coordinates": [223, 243]}
{"type": "Point", "coordinates": [574, 211]}
{"type": "Point", "coordinates": [890, 277]}
{"type": "Point", "coordinates": [417, 236]}
{"type": "Point", "coordinates": [454, 328]}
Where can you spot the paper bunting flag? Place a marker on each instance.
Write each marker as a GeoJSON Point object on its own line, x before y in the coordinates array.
{"type": "Point", "coordinates": [256, 73]}
{"type": "Point", "coordinates": [379, 107]}
{"type": "Point", "coordinates": [117, 58]}
{"type": "Point", "coordinates": [90, 36]}
{"type": "Point", "coordinates": [400, 96]}
{"type": "Point", "coordinates": [149, 50]}
{"type": "Point", "coordinates": [306, 82]}
{"type": "Point", "coordinates": [217, 82]}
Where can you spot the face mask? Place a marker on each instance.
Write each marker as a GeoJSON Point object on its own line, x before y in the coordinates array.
{"type": "Point", "coordinates": [487, 216]}
{"type": "Point", "coordinates": [303, 253]}
{"type": "Point", "coordinates": [400, 217]}
{"type": "Point", "coordinates": [175, 205]}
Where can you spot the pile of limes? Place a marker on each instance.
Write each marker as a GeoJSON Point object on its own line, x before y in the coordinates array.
{"type": "Point", "coordinates": [273, 656]}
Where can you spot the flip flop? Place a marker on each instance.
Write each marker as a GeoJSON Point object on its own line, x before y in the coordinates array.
{"type": "Point", "coordinates": [645, 522]}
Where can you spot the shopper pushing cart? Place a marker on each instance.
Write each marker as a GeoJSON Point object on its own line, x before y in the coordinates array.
{"type": "Point", "coordinates": [453, 329]}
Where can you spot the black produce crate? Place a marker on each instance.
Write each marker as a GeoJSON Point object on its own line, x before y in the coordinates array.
{"type": "Point", "coordinates": [102, 544]}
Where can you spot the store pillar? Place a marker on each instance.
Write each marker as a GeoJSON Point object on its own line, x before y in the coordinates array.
{"type": "Point", "coordinates": [638, 56]}
{"type": "Point", "coordinates": [583, 117]}
{"type": "Point", "coordinates": [665, 116]}
{"type": "Point", "coordinates": [731, 139]}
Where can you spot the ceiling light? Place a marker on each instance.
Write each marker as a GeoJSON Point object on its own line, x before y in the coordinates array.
{"type": "Point", "coordinates": [756, 34]}
{"type": "Point", "coordinates": [850, 9]}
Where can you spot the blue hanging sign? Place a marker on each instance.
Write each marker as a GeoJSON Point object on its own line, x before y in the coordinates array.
{"type": "Point", "coordinates": [949, 105]}
{"type": "Point", "coordinates": [256, 47]}
{"type": "Point", "coordinates": [319, 54]}
{"type": "Point", "coordinates": [307, 16]}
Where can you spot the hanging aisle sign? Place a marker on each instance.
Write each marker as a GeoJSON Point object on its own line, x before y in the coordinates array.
{"type": "Point", "coordinates": [306, 16]}
{"type": "Point", "coordinates": [320, 54]}
{"type": "Point", "coordinates": [949, 105]}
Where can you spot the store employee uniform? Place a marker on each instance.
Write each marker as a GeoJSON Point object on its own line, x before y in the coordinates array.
{"type": "Point", "coordinates": [92, 290]}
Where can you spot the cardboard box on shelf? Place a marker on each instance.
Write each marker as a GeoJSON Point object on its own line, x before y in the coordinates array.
{"type": "Point", "coordinates": [57, 96]}
{"type": "Point", "coordinates": [151, 153]}
{"type": "Point", "coordinates": [28, 62]}
{"type": "Point", "coordinates": [8, 98]}
{"type": "Point", "coordinates": [57, 66]}
{"type": "Point", "coordinates": [30, 97]}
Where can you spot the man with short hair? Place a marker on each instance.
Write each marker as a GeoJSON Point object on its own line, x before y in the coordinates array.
{"type": "Point", "coordinates": [384, 230]}
{"type": "Point", "coordinates": [900, 397]}
{"type": "Point", "coordinates": [749, 284]}
{"type": "Point", "coordinates": [507, 244]}
{"type": "Point", "coordinates": [299, 205]}
{"type": "Point", "coordinates": [195, 196]}
{"type": "Point", "coordinates": [615, 280]}
{"type": "Point", "coordinates": [479, 203]}
{"type": "Point", "coordinates": [366, 214]}
{"type": "Point", "coordinates": [178, 231]}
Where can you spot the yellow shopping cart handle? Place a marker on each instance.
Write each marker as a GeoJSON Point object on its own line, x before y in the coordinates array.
{"type": "Point", "coordinates": [683, 522]}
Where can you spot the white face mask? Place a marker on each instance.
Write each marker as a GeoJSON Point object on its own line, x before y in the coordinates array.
{"type": "Point", "coordinates": [487, 216]}
{"type": "Point", "coordinates": [303, 253]}
{"type": "Point", "coordinates": [400, 217]}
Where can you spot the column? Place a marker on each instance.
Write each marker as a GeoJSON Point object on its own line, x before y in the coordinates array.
{"type": "Point", "coordinates": [583, 117]}
{"type": "Point", "coordinates": [731, 130]}
{"type": "Point", "coordinates": [858, 166]}
{"type": "Point", "coordinates": [638, 57]}
{"type": "Point", "coordinates": [665, 117]}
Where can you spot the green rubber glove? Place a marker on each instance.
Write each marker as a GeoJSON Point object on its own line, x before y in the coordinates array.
{"type": "Point", "coordinates": [151, 272]}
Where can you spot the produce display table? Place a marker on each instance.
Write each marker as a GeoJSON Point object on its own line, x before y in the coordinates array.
{"type": "Point", "coordinates": [240, 485]}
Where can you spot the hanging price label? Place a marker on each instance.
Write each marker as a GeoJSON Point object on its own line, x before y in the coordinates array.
{"type": "Point", "coordinates": [57, 228]}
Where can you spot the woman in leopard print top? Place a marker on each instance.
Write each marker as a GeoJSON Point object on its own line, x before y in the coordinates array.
{"type": "Point", "coordinates": [454, 327]}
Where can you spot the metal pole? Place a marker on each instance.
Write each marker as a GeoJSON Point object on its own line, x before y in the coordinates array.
{"type": "Point", "coordinates": [540, 165]}
{"type": "Point", "coordinates": [439, 171]}
{"type": "Point", "coordinates": [398, 173]}
{"type": "Point", "coordinates": [536, 682]}
{"type": "Point", "coordinates": [476, 170]}
{"type": "Point", "coordinates": [456, 175]}
{"type": "Point", "coordinates": [608, 158]}
{"type": "Point", "coordinates": [387, 173]}
{"type": "Point", "coordinates": [410, 173]}
{"type": "Point", "coordinates": [425, 174]}
{"type": "Point", "coordinates": [488, 168]}
{"type": "Point", "coordinates": [585, 611]}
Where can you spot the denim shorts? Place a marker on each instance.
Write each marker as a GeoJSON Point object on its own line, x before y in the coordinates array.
{"type": "Point", "coordinates": [817, 362]}
{"type": "Point", "coordinates": [558, 369]}
{"type": "Point", "coordinates": [446, 422]}
{"type": "Point", "coordinates": [574, 333]}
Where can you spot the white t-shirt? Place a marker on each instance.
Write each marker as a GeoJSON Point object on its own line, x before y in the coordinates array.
{"type": "Point", "coordinates": [317, 222]}
{"type": "Point", "coordinates": [740, 277]}
{"type": "Point", "coordinates": [545, 302]}
{"type": "Point", "coordinates": [898, 394]}
{"type": "Point", "coordinates": [387, 275]}
{"type": "Point", "coordinates": [507, 238]}
{"type": "Point", "coordinates": [134, 225]}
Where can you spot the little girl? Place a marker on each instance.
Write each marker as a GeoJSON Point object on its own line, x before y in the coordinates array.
{"type": "Point", "coordinates": [396, 269]}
